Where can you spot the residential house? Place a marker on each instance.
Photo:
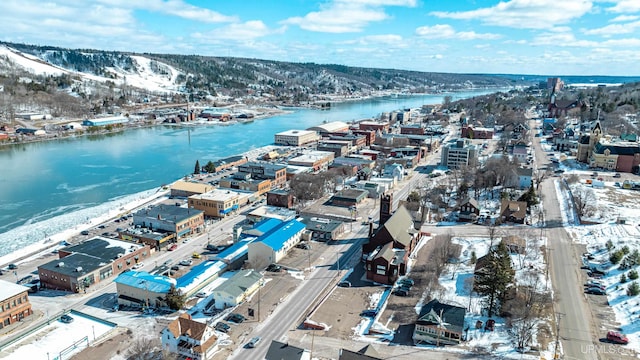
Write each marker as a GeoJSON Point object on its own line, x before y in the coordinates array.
{"type": "Point", "coordinates": [237, 288]}
{"type": "Point", "coordinates": [439, 324]}
{"type": "Point", "coordinates": [471, 132]}
{"type": "Point", "coordinates": [394, 170]}
{"type": "Point", "coordinates": [520, 178]}
{"type": "Point", "coordinates": [189, 338]}
{"type": "Point", "coordinates": [141, 289]}
{"type": "Point", "coordinates": [273, 245]}
{"type": "Point", "coordinates": [520, 151]}
{"type": "Point", "coordinates": [283, 351]}
{"type": "Point", "coordinates": [14, 303]}
{"type": "Point", "coordinates": [469, 210]}
{"type": "Point", "coordinates": [513, 211]}
{"type": "Point", "coordinates": [515, 244]}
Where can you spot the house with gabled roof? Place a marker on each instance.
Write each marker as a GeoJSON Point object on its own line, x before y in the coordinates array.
{"type": "Point", "coordinates": [439, 324]}
{"type": "Point", "coordinates": [513, 211]}
{"type": "Point", "coordinates": [366, 353]}
{"type": "Point", "coordinates": [469, 210]}
{"type": "Point", "coordinates": [189, 338]}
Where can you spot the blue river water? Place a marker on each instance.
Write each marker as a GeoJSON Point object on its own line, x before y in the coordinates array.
{"type": "Point", "coordinates": [55, 185]}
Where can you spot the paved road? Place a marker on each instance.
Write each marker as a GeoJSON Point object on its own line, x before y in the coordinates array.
{"type": "Point", "coordinates": [570, 303]}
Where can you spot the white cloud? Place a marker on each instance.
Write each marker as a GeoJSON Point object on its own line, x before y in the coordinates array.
{"type": "Point", "coordinates": [625, 6]}
{"type": "Point", "coordinates": [525, 14]}
{"type": "Point", "coordinates": [624, 18]}
{"type": "Point", "coordinates": [344, 16]}
{"type": "Point", "coordinates": [177, 8]}
{"type": "Point", "coordinates": [614, 29]}
{"type": "Point", "coordinates": [444, 31]}
{"type": "Point", "coordinates": [248, 30]}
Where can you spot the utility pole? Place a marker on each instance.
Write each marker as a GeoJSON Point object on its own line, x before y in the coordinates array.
{"type": "Point", "coordinates": [555, 350]}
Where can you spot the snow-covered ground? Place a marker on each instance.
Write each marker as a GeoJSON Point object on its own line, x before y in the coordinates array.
{"type": "Point", "coordinates": [611, 204]}
{"type": "Point", "coordinates": [49, 341]}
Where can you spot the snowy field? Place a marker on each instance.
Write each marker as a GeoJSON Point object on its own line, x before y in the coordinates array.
{"type": "Point", "coordinates": [611, 204]}
{"type": "Point", "coordinates": [52, 339]}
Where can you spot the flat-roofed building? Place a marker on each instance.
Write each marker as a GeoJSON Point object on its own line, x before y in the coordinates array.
{"type": "Point", "coordinates": [243, 181]}
{"type": "Point", "coordinates": [318, 160]}
{"type": "Point", "coordinates": [141, 289]}
{"type": "Point", "coordinates": [266, 171]}
{"type": "Point", "coordinates": [155, 239]}
{"type": "Point", "coordinates": [323, 229]}
{"type": "Point", "coordinates": [270, 212]}
{"type": "Point", "coordinates": [111, 120]}
{"type": "Point", "coordinates": [181, 221]}
{"type": "Point", "coordinates": [280, 198]}
{"type": "Point", "coordinates": [183, 188]}
{"type": "Point", "coordinates": [219, 202]}
{"type": "Point", "coordinates": [229, 162]}
{"type": "Point", "coordinates": [83, 265]}
{"type": "Point", "coordinates": [14, 303]}
{"type": "Point", "coordinates": [382, 126]}
{"type": "Point", "coordinates": [354, 160]}
{"type": "Point", "coordinates": [296, 137]}
{"type": "Point", "coordinates": [338, 148]}
{"type": "Point", "coordinates": [459, 154]}
{"type": "Point", "coordinates": [356, 141]}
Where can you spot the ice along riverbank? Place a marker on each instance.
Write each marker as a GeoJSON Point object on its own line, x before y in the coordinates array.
{"type": "Point", "coordinates": [54, 186]}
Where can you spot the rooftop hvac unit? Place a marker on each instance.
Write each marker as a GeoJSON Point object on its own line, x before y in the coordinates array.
{"type": "Point", "coordinates": [60, 264]}
{"type": "Point", "coordinates": [79, 269]}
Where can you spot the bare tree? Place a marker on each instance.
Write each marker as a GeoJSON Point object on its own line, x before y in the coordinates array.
{"type": "Point", "coordinates": [583, 199]}
{"type": "Point", "coordinates": [143, 348]}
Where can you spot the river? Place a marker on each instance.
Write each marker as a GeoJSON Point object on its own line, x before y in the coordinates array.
{"type": "Point", "coordinates": [51, 186]}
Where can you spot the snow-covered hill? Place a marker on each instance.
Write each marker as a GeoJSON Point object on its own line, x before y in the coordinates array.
{"type": "Point", "coordinates": [145, 73]}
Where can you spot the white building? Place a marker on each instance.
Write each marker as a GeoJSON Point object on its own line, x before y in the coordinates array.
{"type": "Point", "coordinates": [460, 154]}
{"type": "Point", "coordinates": [274, 244]}
{"type": "Point", "coordinates": [296, 137]}
{"type": "Point", "coordinates": [189, 338]}
{"type": "Point", "coordinates": [237, 288]}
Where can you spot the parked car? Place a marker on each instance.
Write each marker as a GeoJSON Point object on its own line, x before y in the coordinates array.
{"type": "Point", "coordinates": [401, 292]}
{"type": "Point", "coordinates": [253, 342]}
{"type": "Point", "coordinates": [618, 338]}
{"type": "Point", "coordinates": [138, 265]}
{"type": "Point", "coordinates": [369, 313]}
{"type": "Point", "coordinates": [235, 317]}
{"type": "Point", "coordinates": [84, 232]}
{"type": "Point", "coordinates": [186, 262]}
{"type": "Point", "coordinates": [66, 319]}
{"type": "Point", "coordinates": [303, 246]}
{"type": "Point", "coordinates": [406, 281]}
{"type": "Point", "coordinates": [12, 267]}
{"type": "Point", "coordinates": [175, 267]}
{"type": "Point", "coordinates": [201, 294]}
{"type": "Point", "coordinates": [595, 291]}
{"type": "Point", "coordinates": [591, 283]}
{"type": "Point", "coordinates": [222, 327]}
{"type": "Point", "coordinates": [274, 268]}
{"type": "Point", "coordinates": [617, 175]}
{"type": "Point", "coordinates": [173, 247]}
{"type": "Point", "coordinates": [344, 283]}
{"type": "Point", "coordinates": [195, 255]}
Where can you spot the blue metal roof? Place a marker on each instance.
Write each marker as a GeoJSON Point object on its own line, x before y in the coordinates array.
{"type": "Point", "coordinates": [233, 249]}
{"type": "Point", "coordinates": [198, 270]}
{"type": "Point", "coordinates": [143, 280]}
{"type": "Point", "coordinates": [276, 237]}
{"type": "Point", "coordinates": [266, 225]}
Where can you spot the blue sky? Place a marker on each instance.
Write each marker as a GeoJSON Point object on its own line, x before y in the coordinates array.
{"type": "Point", "coordinates": [551, 37]}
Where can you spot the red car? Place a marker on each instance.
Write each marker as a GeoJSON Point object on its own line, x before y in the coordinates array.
{"type": "Point", "coordinates": [173, 247]}
{"type": "Point", "coordinates": [618, 338]}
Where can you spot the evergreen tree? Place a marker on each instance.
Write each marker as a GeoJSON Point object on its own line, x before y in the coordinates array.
{"type": "Point", "coordinates": [175, 299]}
{"type": "Point", "coordinates": [530, 197]}
{"type": "Point", "coordinates": [495, 278]}
{"type": "Point", "coordinates": [196, 170]}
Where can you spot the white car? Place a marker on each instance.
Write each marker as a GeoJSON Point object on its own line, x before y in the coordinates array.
{"type": "Point", "coordinates": [186, 262]}
{"type": "Point", "coordinates": [138, 265]}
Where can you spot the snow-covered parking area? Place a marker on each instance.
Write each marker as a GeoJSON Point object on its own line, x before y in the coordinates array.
{"type": "Point", "coordinates": [615, 214]}
{"type": "Point", "coordinates": [59, 340]}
